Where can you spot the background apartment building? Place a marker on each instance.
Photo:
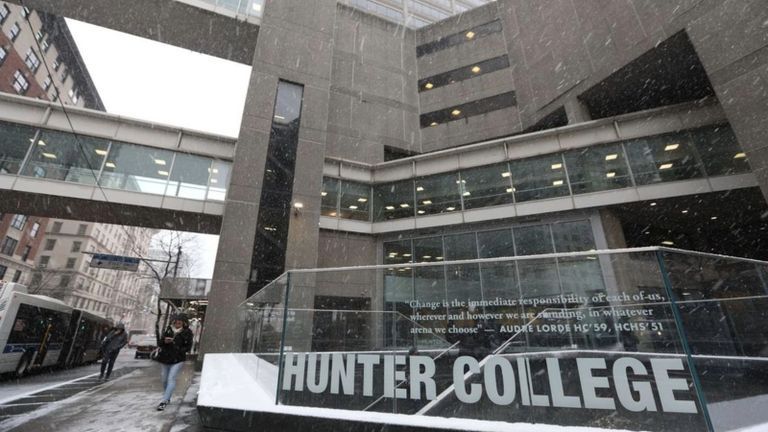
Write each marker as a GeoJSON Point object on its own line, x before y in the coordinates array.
{"type": "Point", "coordinates": [28, 38]}
{"type": "Point", "coordinates": [63, 269]}
{"type": "Point", "coordinates": [20, 240]}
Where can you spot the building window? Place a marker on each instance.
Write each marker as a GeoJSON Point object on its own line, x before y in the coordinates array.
{"type": "Point", "coordinates": [4, 12]}
{"type": "Point", "coordinates": [31, 60]}
{"type": "Point", "coordinates": [50, 244]}
{"type": "Point", "coordinates": [74, 97]}
{"type": "Point", "coordinates": [25, 12]}
{"type": "Point", "coordinates": [45, 45]}
{"type": "Point", "coordinates": [20, 84]}
{"type": "Point", "coordinates": [56, 227]}
{"type": "Point", "coordinates": [464, 73]}
{"type": "Point", "coordinates": [18, 221]}
{"type": "Point", "coordinates": [27, 251]}
{"type": "Point", "coordinates": [3, 55]}
{"type": "Point", "coordinates": [64, 281]}
{"type": "Point", "coordinates": [13, 33]}
{"type": "Point", "coordinates": [3, 269]}
{"type": "Point", "coordinates": [35, 228]}
{"type": "Point", "coordinates": [55, 95]}
{"type": "Point", "coordinates": [459, 38]}
{"type": "Point", "coordinates": [64, 75]}
{"type": "Point", "coordinates": [469, 109]}
{"type": "Point", "coordinates": [8, 246]}
{"type": "Point", "coordinates": [76, 246]}
{"type": "Point", "coordinates": [17, 276]}
{"type": "Point", "coordinates": [56, 64]}
{"type": "Point", "coordinates": [44, 260]}
{"type": "Point", "coordinates": [81, 229]}
{"type": "Point", "coordinates": [71, 263]}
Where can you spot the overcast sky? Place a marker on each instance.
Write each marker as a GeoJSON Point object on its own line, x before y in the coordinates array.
{"type": "Point", "coordinates": [160, 83]}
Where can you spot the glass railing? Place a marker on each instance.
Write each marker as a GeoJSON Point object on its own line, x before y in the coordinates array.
{"type": "Point", "coordinates": [64, 156]}
{"type": "Point", "coordinates": [701, 153]}
{"type": "Point", "coordinates": [651, 339]}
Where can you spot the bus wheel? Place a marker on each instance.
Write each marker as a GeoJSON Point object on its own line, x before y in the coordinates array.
{"type": "Point", "coordinates": [23, 365]}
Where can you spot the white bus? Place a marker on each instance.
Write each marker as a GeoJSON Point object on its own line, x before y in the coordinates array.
{"type": "Point", "coordinates": [33, 329]}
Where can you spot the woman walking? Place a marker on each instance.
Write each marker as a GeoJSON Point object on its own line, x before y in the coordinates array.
{"type": "Point", "coordinates": [174, 344]}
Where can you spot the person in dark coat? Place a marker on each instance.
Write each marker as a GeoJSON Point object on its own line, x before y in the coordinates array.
{"type": "Point", "coordinates": [174, 344]}
{"type": "Point", "coordinates": [110, 348]}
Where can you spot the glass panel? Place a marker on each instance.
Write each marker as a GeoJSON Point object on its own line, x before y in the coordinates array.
{"type": "Point", "coordinates": [723, 303]}
{"type": "Point", "coordinates": [429, 282]}
{"type": "Point", "coordinates": [329, 197]}
{"type": "Point", "coordinates": [14, 143]}
{"type": "Point", "coordinates": [539, 178]}
{"type": "Point", "coordinates": [355, 201]}
{"type": "Point", "coordinates": [597, 168]}
{"type": "Point", "coordinates": [393, 201]}
{"type": "Point", "coordinates": [437, 194]}
{"type": "Point", "coordinates": [329, 202]}
{"type": "Point", "coordinates": [137, 168]}
{"type": "Point", "coordinates": [189, 177]}
{"type": "Point", "coordinates": [573, 236]}
{"type": "Point", "coordinates": [398, 290]}
{"type": "Point", "coordinates": [463, 282]}
{"type": "Point", "coordinates": [719, 150]}
{"type": "Point", "coordinates": [219, 181]}
{"type": "Point", "coordinates": [662, 158]}
{"type": "Point", "coordinates": [487, 186]}
{"type": "Point", "coordinates": [62, 156]}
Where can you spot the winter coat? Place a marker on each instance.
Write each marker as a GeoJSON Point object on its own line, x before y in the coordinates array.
{"type": "Point", "coordinates": [176, 351]}
{"type": "Point", "coordinates": [113, 342]}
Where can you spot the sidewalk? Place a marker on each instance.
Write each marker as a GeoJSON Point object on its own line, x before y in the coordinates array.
{"type": "Point", "coordinates": [126, 404]}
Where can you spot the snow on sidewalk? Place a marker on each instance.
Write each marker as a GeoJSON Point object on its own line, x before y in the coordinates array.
{"type": "Point", "coordinates": [126, 404]}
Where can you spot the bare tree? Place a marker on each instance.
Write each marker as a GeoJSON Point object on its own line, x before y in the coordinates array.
{"type": "Point", "coordinates": [167, 260]}
{"type": "Point", "coordinates": [43, 279]}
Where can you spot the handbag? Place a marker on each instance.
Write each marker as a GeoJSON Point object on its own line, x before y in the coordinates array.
{"type": "Point", "coordinates": [155, 354]}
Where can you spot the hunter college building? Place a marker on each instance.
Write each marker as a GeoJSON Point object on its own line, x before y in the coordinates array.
{"type": "Point", "coordinates": [395, 136]}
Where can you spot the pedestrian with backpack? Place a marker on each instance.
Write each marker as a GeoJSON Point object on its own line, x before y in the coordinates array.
{"type": "Point", "coordinates": [110, 348]}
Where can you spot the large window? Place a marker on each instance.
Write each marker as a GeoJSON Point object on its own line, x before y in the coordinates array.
{"type": "Point", "coordinates": [18, 221]}
{"type": "Point", "coordinates": [597, 168]}
{"type": "Point", "coordinates": [467, 35]}
{"type": "Point", "coordinates": [8, 246]}
{"type": "Point", "coordinates": [539, 178]}
{"type": "Point", "coordinates": [393, 200]}
{"type": "Point", "coordinates": [63, 156]}
{"type": "Point", "coordinates": [719, 150]}
{"type": "Point", "coordinates": [487, 186]}
{"type": "Point", "coordinates": [35, 229]}
{"type": "Point", "coordinates": [438, 194]}
{"type": "Point", "coordinates": [19, 82]}
{"type": "Point", "coordinates": [219, 181]}
{"type": "Point", "coordinates": [189, 177]}
{"type": "Point", "coordinates": [329, 202]}
{"type": "Point", "coordinates": [31, 60]}
{"type": "Point", "coordinates": [355, 201]}
{"type": "Point", "coordinates": [14, 31]}
{"type": "Point", "coordinates": [137, 168]}
{"type": "Point", "coordinates": [663, 158]}
{"type": "Point", "coordinates": [14, 143]}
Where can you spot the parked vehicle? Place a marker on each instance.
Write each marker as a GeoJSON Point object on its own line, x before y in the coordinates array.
{"type": "Point", "coordinates": [145, 344]}
{"type": "Point", "coordinates": [38, 331]}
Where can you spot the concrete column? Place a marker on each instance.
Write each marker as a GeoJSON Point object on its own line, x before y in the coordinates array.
{"type": "Point", "coordinates": [576, 111]}
{"type": "Point", "coordinates": [295, 44]}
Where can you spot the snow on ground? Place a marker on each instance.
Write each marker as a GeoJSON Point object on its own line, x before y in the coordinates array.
{"type": "Point", "coordinates": [743, 415]}
{"type": "Point", "coordinates": [237, 381]}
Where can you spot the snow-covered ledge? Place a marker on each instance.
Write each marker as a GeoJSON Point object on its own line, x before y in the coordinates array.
{"type": "Point", "coordinates": [244, 382]}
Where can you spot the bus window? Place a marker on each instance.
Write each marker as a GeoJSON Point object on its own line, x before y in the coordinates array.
{"type": "Point", "coordinates": [29, 326]}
